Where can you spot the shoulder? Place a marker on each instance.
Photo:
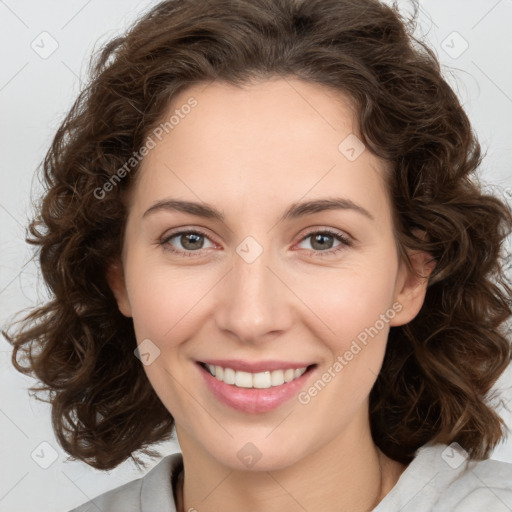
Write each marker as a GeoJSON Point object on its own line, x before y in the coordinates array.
{"type": "Point", "coordinates": [151, 493]}
{"type": "Point", "coordinates": [482, 486]}
{"type": "Point", "coordinates": [442, 478]}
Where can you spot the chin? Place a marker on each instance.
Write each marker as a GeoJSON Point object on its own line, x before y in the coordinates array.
{"type": "Point", "coordinates": [253, 457]}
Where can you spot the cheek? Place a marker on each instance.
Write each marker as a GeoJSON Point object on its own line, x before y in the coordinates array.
{"type": "Point", "coordinates": [357, 308]}
{"type": "Point", "coordinates": [163, 301]}
{"type": "Point", "coordinates": [350, 301]}
{"type": "Point", "coordinates": [164, 309]}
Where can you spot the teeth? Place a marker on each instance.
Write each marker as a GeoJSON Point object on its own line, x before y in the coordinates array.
{"type": "Point", "coordinates": [242, 379]}
{"type": "Point", "coordinates": [262, 380]}
{"type": "Point", "coordinates": [277, 378]}
{"type": "Point", "coordinates": [229, 374]}
{"type": "Point", "coordinates": [289, 375]}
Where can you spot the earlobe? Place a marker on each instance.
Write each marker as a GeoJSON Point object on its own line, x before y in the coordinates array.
{"type": "Point", "coordinates": [116, 282]}
{"type": "Point", "coordinates": [412, 288]}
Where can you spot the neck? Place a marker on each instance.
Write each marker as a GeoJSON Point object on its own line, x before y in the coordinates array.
{"type": "Point", "coordinates": [348, 474]}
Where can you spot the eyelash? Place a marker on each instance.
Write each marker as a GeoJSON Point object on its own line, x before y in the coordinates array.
{"type": "Point", "coordinates": [345, 242]}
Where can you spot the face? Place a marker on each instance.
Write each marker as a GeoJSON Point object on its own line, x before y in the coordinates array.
{"type": "Point", "coordinates": [264, 281]}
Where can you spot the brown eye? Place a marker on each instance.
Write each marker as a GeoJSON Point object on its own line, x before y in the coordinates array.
{"type": "Point", "coordinates": [185, 242]}
{"type": "Point", "coordinates": [191, 241]}
{"type": "Point", "coordinates": [323, 242]}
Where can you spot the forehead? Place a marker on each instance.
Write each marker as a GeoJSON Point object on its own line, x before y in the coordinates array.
{"type": "Point", "coordinates": [254, 114]}
{"type": "Point", "coordinates": [271, 140]}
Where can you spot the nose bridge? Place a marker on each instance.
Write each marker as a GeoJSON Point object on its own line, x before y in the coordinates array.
{"type": "Point", "coordinates": [254, 301]}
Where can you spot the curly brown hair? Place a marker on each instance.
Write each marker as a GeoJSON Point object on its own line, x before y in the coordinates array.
{"type": "Point", "coordinates": [438, 369]}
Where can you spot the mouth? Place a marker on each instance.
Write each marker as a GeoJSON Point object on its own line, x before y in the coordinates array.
{"type": "Point", "coordinates": [254, 393]}
{"type": "Point", "coordinates": [256, 380]}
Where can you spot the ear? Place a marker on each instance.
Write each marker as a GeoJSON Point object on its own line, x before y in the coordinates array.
{"type": "Point", "coordinates": [410, 288]}
{"type": "Point", "coordinates": [116, 281]}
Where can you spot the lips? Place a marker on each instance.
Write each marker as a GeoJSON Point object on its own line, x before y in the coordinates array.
{"type": "Point", "coordinates": [253, 400]}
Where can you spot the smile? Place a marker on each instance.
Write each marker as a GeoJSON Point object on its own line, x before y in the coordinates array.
{"type": "Point", "coordinates": [255, 392]}
{"type": "Point", "coordinates": [260, 380]}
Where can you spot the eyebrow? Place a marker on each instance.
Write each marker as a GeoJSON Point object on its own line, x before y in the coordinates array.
{"type": "Point", "coordinates": [295, 210]}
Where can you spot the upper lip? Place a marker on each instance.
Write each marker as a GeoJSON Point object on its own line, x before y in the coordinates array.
{"type": "Point", "coordinates": [255, 366]}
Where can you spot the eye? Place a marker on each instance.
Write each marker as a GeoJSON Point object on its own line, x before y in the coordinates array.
{"type": "Point", "coordinates": [323, 241]}
{"type": "Point", "coordinates": [191, 242]}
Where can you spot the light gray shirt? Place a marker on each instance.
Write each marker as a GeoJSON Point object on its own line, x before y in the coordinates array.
{"type": "Point", "coordinates": [439, 479]}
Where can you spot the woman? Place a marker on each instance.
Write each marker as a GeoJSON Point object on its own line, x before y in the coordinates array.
{"type": "Point", "coordinates": [322, 326]}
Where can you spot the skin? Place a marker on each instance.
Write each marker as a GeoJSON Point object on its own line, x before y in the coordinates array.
{"type": "Point", "coordinates": [263, 147]}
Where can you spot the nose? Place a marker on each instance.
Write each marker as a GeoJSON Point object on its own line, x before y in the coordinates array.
{"type": "Point", "coordinates": [254, 302]}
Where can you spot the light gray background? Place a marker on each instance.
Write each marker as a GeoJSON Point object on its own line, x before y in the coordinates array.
{"type": "Point", "coordinates": [35, 94]}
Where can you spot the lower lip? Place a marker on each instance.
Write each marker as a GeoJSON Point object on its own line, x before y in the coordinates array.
{"type": "Point", "coordinates": [253, 400]}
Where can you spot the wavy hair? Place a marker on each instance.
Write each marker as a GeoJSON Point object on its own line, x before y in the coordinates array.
{"type": "Point", "coordinates": [438, 369]}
